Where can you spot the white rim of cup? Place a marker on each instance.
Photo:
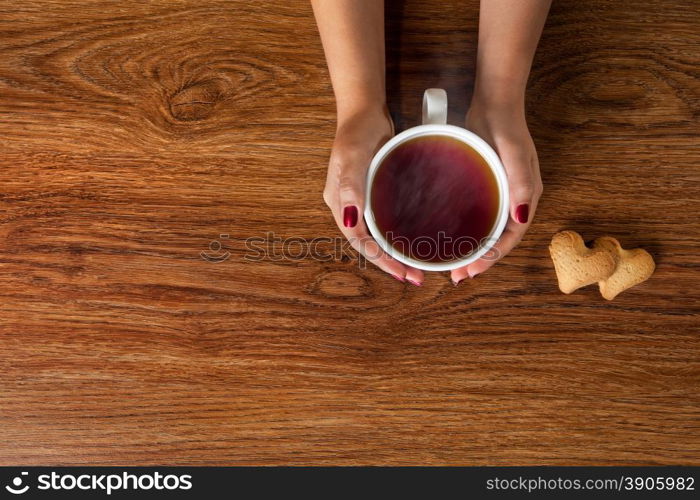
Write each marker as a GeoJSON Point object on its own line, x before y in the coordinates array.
{"type": "Point", "coordinates": [433, 98]}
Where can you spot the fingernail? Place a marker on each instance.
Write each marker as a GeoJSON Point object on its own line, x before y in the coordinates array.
{"type": "Point", "coordinates": [473, 275]}
{"type": "Point", "coordinates": [414, 282]}
{"type": "Point", "coordinates": [397, 277]}
{"type": "Point", "coordinates": [522, 213]}
{"type": "Point", "coordinates": [350, 216]}
{"type": "Point", "coordinates": [455, 283]}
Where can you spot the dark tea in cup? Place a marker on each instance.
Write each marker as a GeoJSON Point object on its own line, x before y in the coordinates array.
{"type": "Point", "coordinates": [435, 199]}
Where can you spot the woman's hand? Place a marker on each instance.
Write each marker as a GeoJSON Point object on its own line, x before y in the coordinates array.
{"type": "Point", "coordinates": [352, 32]}
{"type": "Point", "coordinates": [508, 35]}
{"type": "Point", "coordinates": [357, 139]}
{"type": "Point", "coordinates": [503, 126]}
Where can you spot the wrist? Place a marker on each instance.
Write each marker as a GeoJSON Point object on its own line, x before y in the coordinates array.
{"type": "Point", "coordinates": [349, 111]}
{"type": "Point", "coordinates": [500, 93]}
{"type": "Point", "coordinates": [497, 107]}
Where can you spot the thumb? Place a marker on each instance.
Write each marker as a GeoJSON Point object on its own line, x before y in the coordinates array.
{"type": "Point", "coordinates": [351, 199]}
{"type": "Point", "coordinates": [521, 181]}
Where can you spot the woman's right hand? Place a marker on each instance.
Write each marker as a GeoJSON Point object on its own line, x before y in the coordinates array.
{"type": "Point", "coordinates": [357, 139]}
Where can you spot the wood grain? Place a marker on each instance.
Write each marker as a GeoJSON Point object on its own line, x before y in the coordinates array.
{"type": "Point", "coordinates": [135, 134]}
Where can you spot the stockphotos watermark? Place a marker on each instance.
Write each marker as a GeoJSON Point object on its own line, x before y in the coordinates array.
{"type": "Point", "coordinates": [273, 248]}
{"type": "Point", "coordinates": [102, 483]}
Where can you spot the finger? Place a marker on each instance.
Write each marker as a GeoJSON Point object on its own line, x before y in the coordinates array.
{"type": "Point", "coordinates": [347, 212]}
{"type": "Point", "coordinates": [458, 275]}
{"type": "Point", "coordinates": [345, 186]}
{"type": "Point", "coordinates": [512, 235]}
{"type": "Point", "coordinates": [510, 238]}
{"type": "Point", "coordinates": [522, 182]}
{"type": "Point", "coordinates": [360, 240]}
{"type": "Point", "coordinates": [414, 276]}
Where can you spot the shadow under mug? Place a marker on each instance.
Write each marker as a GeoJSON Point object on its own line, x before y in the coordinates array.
{"type": "Point", "coordinates": [435, 124]}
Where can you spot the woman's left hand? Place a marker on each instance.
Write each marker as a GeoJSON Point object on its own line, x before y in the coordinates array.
{"type": "Point", "coordinates": [504, 127]}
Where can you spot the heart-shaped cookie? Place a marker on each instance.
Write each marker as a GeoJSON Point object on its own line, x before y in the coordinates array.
{"type": "Point", "coordinates": [632, 267]}
{"type": "Point", "coordinates": [577, 265]}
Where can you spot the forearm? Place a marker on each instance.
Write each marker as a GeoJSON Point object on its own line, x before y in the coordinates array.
{"type": "Point", "coordinates": [508, 34]}
{"type": "Point", "coordinates": [352, 33]}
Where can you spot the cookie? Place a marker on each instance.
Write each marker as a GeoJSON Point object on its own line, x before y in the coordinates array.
{"type": "Point", "coordinates": [632, 267]}
{"type": "Point", "coordinates": [577, 265]}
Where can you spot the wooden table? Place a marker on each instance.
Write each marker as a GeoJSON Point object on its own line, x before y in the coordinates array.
{"type": "Point", "coordinates": [135, 135]}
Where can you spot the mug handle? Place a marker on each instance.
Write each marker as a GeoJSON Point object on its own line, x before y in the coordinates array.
{"type": "Point", "coordinates": [435, 107]}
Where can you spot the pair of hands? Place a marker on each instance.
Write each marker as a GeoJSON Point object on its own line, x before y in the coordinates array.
{"type": "Point", "coordinates": [361, 135]}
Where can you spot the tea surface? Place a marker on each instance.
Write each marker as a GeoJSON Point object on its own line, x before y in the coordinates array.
{"type": "Point", "coordinates": [435, 198]}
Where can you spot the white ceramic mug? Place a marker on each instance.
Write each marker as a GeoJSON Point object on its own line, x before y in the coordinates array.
{"type": "Point", "coordinates": [435, 123]}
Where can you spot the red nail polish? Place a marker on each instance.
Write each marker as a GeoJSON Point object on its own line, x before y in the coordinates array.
{"type": "Point", "coordinates": [397, 277]}
{"type": "Point", "coordinates": [522, 213]}
{"type": "Point", "coordinates": [414, 282]}
{"type": "Point", "coordinates": [350, 216]}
